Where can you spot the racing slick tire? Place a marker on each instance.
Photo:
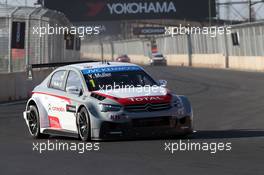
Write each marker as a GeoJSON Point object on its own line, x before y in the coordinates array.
{"type": "Point", "coordinates": [83, 125]}
{"type": "Point", "coordinates": [34, 123]}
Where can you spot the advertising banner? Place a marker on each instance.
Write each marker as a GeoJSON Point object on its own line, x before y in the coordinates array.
{"type": "Point", "coordinates": [83, 10]}
{"type": "Point", "coordinates": [18, 35]}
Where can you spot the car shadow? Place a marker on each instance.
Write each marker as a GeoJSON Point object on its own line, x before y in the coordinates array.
{"type": "Point", "coordinates": [228, 134]}
{"type": "Point", "coordinates": [198, 135]}
{"type": "Point", "coordinates": [205, 135]}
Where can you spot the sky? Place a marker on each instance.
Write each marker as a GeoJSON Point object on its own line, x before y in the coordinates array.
{"type": "Point", "coordinates": [237, 12]}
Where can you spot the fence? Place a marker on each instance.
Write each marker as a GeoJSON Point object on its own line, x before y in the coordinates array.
{"type": "Point", "coordinates": [36, 49]}
{"type": "Point", "coordinates": [250, 36]}
{"type": "Point", "coordinates": [250, 39]}
{"type": "Point", "coordinates": [109, 50]}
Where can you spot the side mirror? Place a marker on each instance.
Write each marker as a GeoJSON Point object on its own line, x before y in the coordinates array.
{"type": "Point", "coordinates": [74, 90]}
{"type": "Point", "coordinates": [163, 83]}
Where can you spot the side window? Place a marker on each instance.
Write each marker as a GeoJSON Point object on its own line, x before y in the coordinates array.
{"type": "Point", "coordinates": [57, 80]}
{"type": "Point", "coordinates": [74, 80]}
{"type": "Point", "coordinates": [147, 81]}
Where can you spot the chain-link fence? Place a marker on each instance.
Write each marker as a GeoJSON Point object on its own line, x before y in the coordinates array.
{"type": "Point", "coordinates": [21, 44]}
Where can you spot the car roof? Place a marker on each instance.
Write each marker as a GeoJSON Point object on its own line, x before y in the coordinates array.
{"type": "Point", "coordinates": [92, 65]}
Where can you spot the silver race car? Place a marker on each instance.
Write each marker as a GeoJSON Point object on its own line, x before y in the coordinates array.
{"type": "Point", "coordinates": [106, 101]}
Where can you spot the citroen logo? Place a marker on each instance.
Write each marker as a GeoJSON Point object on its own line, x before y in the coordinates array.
{"type": "Point", "coordinates": [148, 107]}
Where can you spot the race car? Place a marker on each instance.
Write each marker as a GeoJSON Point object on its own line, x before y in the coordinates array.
{"type": "Point", "coordinates": [123, 58]}
{"type": "Point", "coordinates": [158, 59]}
{"type": "Point", "coordinates": [106, 100]}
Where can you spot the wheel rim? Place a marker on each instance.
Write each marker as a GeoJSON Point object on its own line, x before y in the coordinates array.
{"type": "Point", "coordinates": [83, 125]}
{"type": "Point", "coordinates": [33, 122]}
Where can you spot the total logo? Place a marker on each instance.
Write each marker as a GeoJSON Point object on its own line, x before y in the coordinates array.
{"type": "Point", "coordinates": [139, 99]}
{"type": "Point", "coordinates": [55, 108]}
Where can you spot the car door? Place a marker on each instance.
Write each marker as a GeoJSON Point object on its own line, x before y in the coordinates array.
{"type": "Point", "coordinates": [73, 82]}
{"type": "Point", "coordinates": [55, 101]}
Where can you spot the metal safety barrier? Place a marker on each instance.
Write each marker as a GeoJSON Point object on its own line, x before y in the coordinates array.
{"type": "Point", "coordinates": [34, 49]}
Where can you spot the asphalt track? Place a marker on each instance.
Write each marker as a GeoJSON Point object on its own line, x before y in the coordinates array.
{"type": "Point", "coordinates": [228, 107]}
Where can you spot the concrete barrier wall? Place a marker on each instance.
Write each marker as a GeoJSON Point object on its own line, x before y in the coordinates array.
{"type": "Point", "coordinates": [15, 86]}
{"type": "Point", "coordinates": [177, 60]}
{"type": "Point", "coordinates": [137, 59]}
{"type": "Point", "coordinates": [208, 60]}
{"type": "Point", "coordinates": [248, 63]}
{"type": "Point", "coordinates": [198, 60]}
{"type": "Point", "coordinates": [251, 63]}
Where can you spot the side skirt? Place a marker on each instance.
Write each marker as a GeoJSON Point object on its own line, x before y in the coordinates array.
{"type": "Point", "coordinates": [61, 132]}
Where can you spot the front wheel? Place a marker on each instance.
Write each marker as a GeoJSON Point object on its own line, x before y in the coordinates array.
{"type": "Point", "coordinates": [83, 125]}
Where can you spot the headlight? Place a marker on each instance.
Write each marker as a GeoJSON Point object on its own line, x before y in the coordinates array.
{"type": "Point", "coordinates": [177, 103]}
{"type": "Point", "coordinates": [109, 107]}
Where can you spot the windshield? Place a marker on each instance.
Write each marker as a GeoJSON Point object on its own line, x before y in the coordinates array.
{"type": "Point", "coordinates": [117, 80]}
{"type": "Point", "coordinates": [158, 56]}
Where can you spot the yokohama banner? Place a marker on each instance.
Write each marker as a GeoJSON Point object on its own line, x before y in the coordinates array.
{"type": "Point", "coordinates": [83, 10]}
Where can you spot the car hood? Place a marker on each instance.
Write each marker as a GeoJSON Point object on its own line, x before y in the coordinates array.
{"type": "Point", "coordinates": [139, 95]}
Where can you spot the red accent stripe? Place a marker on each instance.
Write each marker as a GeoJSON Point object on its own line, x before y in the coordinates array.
{"type": "Point", "coordinates": [143, 99]}
{"type": "Point", "coordinates": [61, 97]}
{"type": "Point", "coordinates": [54, 122]}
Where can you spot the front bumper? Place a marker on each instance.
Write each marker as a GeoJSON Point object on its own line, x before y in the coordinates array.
{"type": "Point", "coordinates": [159, 62]}
{"type": "Point", "coordinates": [144, 128]}
{"type": "Point", "coordinates": [25, 113]}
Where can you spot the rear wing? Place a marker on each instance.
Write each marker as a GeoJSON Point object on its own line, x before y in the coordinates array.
{"type": "Point", "coordinates": [51, 65]}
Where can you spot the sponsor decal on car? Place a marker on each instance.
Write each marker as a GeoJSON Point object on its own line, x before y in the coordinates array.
{"type": "Point", "coordinates": [139, 99]}
{"type": "Point", "coordinates": [70, 108]}
{"type": "Point", "coordinates": [54, 122]}
{"type": "Point", "coordinates": [110, 69]}
{"type": "Point", "coordinates": [56, 108]}
{"type": "Point", "coordinates": [102, 75]}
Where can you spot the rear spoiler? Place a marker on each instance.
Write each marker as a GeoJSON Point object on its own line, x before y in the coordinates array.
{"type": "Point", "coordinates": [51, 65]}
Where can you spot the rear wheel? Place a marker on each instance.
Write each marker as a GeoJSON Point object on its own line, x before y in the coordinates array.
{"type": "Point", "coordinates": [33, 123]}
{"type": "Point", "coordinates": [83, 124]}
